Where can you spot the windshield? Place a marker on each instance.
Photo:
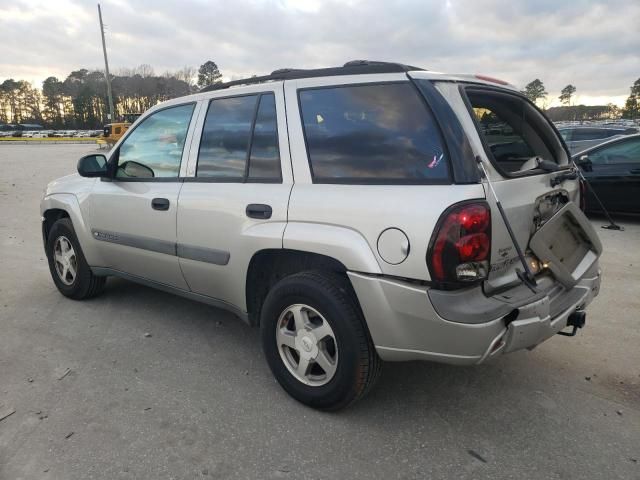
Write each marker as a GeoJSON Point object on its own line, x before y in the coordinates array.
{"type": "Point", "coordinates": [517, 135]}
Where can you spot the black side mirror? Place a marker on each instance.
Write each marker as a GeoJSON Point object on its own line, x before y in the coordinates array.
{"type": "Point", "coordinates": [585, 163]}
{"type": "Point", "coordinates": [93, 165]}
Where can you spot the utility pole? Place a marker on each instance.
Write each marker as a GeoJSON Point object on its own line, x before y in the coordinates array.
{"type": "Point", "coordinates": [106, 67]}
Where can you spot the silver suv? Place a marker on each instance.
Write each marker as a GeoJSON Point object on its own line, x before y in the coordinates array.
{"type": "Point", "coordinates": [355, 214]}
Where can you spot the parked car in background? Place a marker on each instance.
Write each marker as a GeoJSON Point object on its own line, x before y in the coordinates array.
{"type": "Point", "coordinates": [581, 137]}
{"type": "Point", "coordinates": [42, 134]}
{"type": "Point", "coordinates": [613, 170]}
{"type": "Point", "coordinates": [65, 133]}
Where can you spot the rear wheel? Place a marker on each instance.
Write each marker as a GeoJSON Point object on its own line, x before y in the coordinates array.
{"type": "Point", "coordinates": [69, 269]}
{"type": "Point", "coordinates": [316, 341]}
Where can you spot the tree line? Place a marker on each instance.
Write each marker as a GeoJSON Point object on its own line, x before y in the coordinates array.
{"type": "Point", "coordinates": [536, 92]}
{"type": "Point", "coordinates": [80, 100]}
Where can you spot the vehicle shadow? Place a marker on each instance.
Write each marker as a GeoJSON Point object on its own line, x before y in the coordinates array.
{"type": "Point", "coordinates": [403, 387]}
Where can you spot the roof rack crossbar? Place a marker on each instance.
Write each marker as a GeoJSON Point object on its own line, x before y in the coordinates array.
{"type": "Point", "coordinates": [354, 67]}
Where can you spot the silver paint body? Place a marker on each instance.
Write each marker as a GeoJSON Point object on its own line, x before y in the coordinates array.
{"type": "Point", "coordinates": [344, 222]}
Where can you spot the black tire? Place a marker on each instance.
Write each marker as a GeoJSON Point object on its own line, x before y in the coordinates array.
{"type": "Point", "coordinates": [358, 365]}
{"type": "Point", "coordinates": [85, 284]}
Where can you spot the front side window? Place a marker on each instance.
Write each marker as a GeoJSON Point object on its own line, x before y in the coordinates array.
{"type": "Point", "coordinates": [379, 133]}
{"type": "Point", "coordinates": [154, 148]}
{"type": "Point", "coordinates": [240, 140]}
{"type": "Point", "coordinates": [621, 152]}
{"type": "Point", "coordinates": [514, 130]}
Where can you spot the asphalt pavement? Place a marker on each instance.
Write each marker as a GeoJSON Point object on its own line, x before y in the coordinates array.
{"type": "Point", "coordinates": [140, 384]}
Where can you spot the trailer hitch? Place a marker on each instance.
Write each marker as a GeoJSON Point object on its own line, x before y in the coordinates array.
{"type": "Point", "coordinates": [576, 320]}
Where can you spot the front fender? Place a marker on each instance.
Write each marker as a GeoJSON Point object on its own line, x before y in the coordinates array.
{"type": "Point", "coordinates": [343, 244]}
{"type": "Point", "coordinates": [72, 205]}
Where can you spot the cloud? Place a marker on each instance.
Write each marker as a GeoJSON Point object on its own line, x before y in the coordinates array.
{"type": "Point", "coordinates": [592, 44]}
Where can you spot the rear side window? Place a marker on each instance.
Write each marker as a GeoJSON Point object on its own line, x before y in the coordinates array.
{"type": "Point", "coordinates": [513, 130]}
{"type": "Point", "coordinates": [380, 133]}
{"type": "Point", "coordinates": [240, 140]}
{"type": "Point", "coordinates": [225, 137]}
{"type": "Point", "coordinates": [264, 161]}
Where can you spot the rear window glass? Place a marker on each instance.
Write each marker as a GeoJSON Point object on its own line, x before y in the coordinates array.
{"type": "Point", "coordinates": [264, 161]}
{"type": "Point", "coordinates": [380, 133]}
{"type": "Point", "coordinates": [225, 137]}
{"type": "Point", "coordinates": [514, 130]}
{"type": "Point", "coordinates": [237, 130]}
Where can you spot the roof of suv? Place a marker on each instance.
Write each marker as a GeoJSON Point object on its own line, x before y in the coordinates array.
{"type": "Point", "coordinates": [354, 67]}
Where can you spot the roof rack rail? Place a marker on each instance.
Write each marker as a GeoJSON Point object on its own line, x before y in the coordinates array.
{"type": "Point", "coordinates": [354, 67]}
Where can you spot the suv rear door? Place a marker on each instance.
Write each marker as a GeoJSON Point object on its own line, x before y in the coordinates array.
{"type": "Point", "coordinates": [234, 199]}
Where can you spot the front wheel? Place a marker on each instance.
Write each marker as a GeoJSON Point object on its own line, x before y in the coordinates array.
{"type": "Point", "coordinates": [69, 269]}
{"type": "Point", "coordinates": [316, 341]}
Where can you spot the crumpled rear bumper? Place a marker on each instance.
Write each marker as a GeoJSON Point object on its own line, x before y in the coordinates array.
{"type": "Point", "coordinates": [405, 325]}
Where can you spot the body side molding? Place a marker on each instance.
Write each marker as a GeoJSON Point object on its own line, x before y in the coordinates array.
{"type": "Point", "coordinates": [200, 254]}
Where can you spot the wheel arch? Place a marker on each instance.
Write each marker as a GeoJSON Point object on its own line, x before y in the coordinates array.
{"type": "Point", "coordinates": [66, 205]}
{"type": "Point", "coordinates": [49, 217]}
{"type": "Point", "coordinates": [269, 266]}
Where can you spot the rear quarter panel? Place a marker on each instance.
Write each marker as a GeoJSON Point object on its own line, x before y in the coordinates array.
{"type": "Point", "coordinates": [362, 211]}
{"type": "Point", "coordinates": [368, 210]}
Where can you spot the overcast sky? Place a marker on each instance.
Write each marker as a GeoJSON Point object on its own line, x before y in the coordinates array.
{"type": "Point", "coordinates": [595, 45]}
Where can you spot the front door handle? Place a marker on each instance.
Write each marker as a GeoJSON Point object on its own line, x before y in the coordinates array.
{"type": "Point", "coordinates": [635, 171]}
{"type": "Point", "coordinates": [259, 210]}
{"type": "Point", "coordinates": [160, 204]}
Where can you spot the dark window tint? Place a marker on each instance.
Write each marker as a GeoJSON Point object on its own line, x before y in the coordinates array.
{"type": "Point", "coordinates": [591, 134]}
{"type": "Point", "coordinates": [264, 162]}
{"type": "Point", "coordinates": [513, 129]}
{"type": "Point", "coordinates": [375, 133]}
{"type": "Point", "coordinates": [620, 152]}
{"type": "Point", "coordinates": [225, 137]}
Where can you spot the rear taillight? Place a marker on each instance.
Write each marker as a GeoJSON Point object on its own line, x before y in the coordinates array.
{"type": "Point", "coordinates": [461, 245]}
{"type": "Point", "coordinates": [583, 194]}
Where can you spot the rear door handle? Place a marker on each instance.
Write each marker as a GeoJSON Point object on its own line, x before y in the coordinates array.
{"type": "Point", "coordinates": [259, 210]}
{"type": "Point", "coordinates": [160, 204]}
{"type": "Point", "coordinates": [635, 171]}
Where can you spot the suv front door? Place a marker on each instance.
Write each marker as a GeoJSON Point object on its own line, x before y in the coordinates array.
{"type": "Point", "coordinates": [133, 215]}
